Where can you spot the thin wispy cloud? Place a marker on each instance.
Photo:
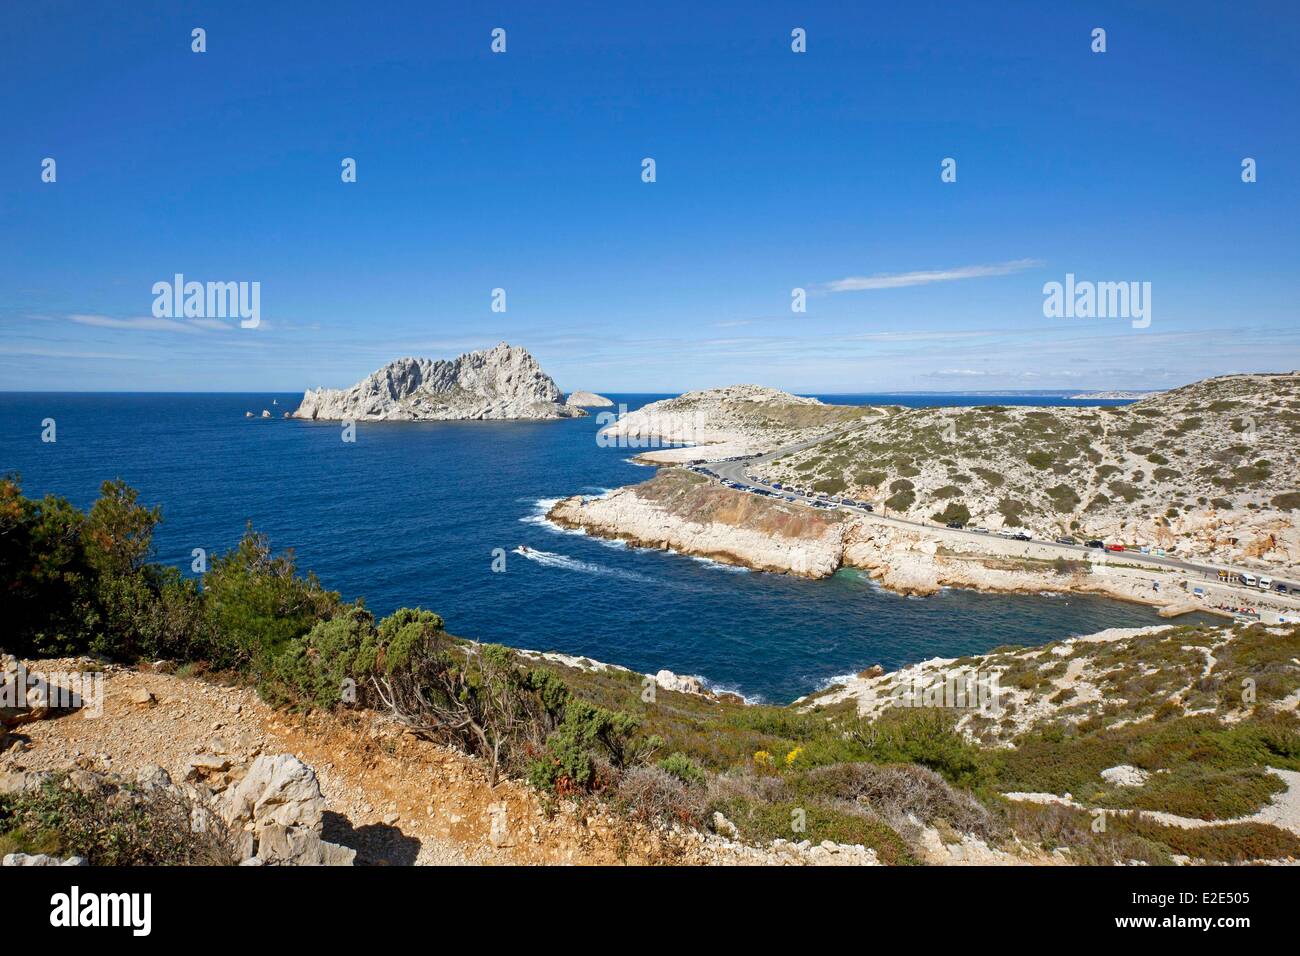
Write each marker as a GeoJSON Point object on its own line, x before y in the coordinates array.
{"type": "Point", "coordinates": [36, 352]}
{"type": "Point", "coordinates": [144, 324]}
{"type": "Point", "coordinates": [900, 280]}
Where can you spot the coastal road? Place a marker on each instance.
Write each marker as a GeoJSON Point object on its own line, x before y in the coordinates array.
{"type": "Point", "coordinates": [738, 471]}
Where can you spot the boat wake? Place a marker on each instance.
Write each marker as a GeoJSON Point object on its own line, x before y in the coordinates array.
{"type": "Point", "coordinates": [551, 560]}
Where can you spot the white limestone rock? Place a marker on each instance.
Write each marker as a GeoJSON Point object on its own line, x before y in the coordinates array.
{"type": "Point", "coordinates": [40, 859]}
{"type": "Point", "coordinates": [1125, 775]}
{"type": "Point", "coordinates": [582, 399]}
{"type": "Point", "coordinates": [504, 382]}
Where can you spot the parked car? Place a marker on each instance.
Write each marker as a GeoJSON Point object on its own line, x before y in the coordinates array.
{"type": "Point", "coordinates": [1114, 547]}
{"type": "Point", "coordinates": [1021, 536]}
{"type": "Point", "coordinates": [956, 524]}
{"type": "Point", "coordinates": [1096, 544]}
{"type": "Point", "coordinates": [1066, 539]}
{"type": "Point", "coordinates": [1281, 588]}
{"type": "Point", "coordinates": [1265, 584]}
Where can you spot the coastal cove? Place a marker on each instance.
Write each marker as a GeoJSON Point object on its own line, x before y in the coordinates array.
{"type": "Point", "coordinates": [411, 513]}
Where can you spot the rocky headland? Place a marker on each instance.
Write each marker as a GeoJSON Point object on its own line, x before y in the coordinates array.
{"type": "Point", "coordinates": [1200, 472]}
{"type": "Point", "coordinates": [735, 420]}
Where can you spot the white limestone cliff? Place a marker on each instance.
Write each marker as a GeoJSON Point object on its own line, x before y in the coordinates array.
{"type": "Point", "coordinates": [504, 382]}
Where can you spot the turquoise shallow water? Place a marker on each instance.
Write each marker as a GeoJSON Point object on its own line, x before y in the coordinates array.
{"type": "Point", "coordinates": [410, 515]}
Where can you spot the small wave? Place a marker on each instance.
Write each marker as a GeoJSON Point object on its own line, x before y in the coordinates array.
{"type": "Point", "coordinates": [713, 687]}
{"type": "Point", "coordinates": [541, 507]}
{"type": "Point", "coordinates": [873, 584]}
{"type": "Point", "coordinates": [843, 680]}
{"type": "Point", "coordinates": [719, 565]}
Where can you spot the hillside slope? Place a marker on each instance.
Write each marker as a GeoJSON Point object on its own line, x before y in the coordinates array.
{"type": "Point", "coordinates": [735, 420]}
{"type": "Point", "coordinates": [1210, 468]}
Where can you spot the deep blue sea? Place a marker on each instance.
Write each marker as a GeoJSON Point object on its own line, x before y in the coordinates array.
{"type": "Point", "coordinates": [411, 512]}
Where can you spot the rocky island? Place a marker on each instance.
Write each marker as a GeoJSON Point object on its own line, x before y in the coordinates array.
{"type": "Point", "coordinates": [504, 382]}
{"type": "Point", "coordinates": [582, 399]}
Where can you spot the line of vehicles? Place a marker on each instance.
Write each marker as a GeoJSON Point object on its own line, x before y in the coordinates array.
{"type": "Point", "coordinates": [1263, 583]}
{"type": "Point", "coordinates": [820, 499]}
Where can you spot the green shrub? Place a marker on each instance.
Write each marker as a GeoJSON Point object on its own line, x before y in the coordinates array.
{"type": "Point", "coordinates": [869, 479]}
{"type": "Point", "coordinates": [901, 501]}
{"type": "Point", "coordinates": [256, 603]}
{"type": "Point", "coordinates": [956, 511]}
{"type": "Point", "coordinates": [920, 735]}
{"type": "Point", "coordinates": [1229, 843]}
{"type": "Point", "coordinates": [1063, 498]}
{"type": "Point", "coordinates": [46, 576]}
{"type": "Point", "coordinates": [321, 667]}
{"type": "Point", "coordinates": [477, 697]}
{"type": "Point", "coordinates": [1123, 489]}
{"type": "Point", "coordinates": [682, 767]}
{"type": "Point", "coordinates": [1012, 511]}
{"type": "Point", "coordinates": [586, 734]}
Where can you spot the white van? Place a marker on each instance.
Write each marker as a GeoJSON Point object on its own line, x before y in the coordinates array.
{"type": "Point", "coordinates": [1265, 584]}
{"type": "Point", "coordinates": [1248, 580]}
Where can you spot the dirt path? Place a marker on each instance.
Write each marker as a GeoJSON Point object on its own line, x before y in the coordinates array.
{"type": "Point", "coordinates": [395, 799]}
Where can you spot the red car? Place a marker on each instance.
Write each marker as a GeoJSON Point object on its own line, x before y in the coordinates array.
{"type": "Point", "coordinates": [1114, 547]}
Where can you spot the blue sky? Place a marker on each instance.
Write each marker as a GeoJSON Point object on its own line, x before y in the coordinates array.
{"type": "Point", "coordinates": [775, 170]}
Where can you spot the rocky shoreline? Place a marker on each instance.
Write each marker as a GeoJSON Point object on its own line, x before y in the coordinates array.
{"type": "Point", "coordinates": [702, 519]}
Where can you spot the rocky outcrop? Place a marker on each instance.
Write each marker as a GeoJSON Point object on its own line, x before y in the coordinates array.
{"type": "Point", "coordinates": [273, 809]}
{"type": "Point", "coordinates": [277, 813]}
{"type": "Point", "coordinates": [682, 683]}
{"type": "Point", "coordinates": [19, 704]}
{"type": "Point", "coordinates": [504, 382]}
{"type": "Point", "coordinates": [587, 400]}
{"type": "Point", "coordinates": [681, 511]}
{"type": "Point", "coordinates": [40, 859]}
{"type": "Point", "coordinates": [678, 511]}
